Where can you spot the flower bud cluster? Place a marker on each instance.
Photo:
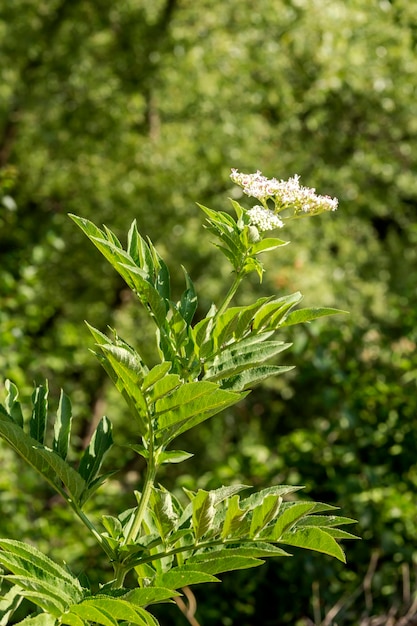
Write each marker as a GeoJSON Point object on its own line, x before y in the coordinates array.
{"type": "Point", "coordinates": [264, 219]}
{"type": "Point", "coordinates": [286, 194]}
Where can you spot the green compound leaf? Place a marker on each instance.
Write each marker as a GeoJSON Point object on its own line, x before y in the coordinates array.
{"type": "Point", "coordinates": [126, 374]}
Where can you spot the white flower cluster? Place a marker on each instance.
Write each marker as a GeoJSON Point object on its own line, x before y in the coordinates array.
{"type": "Point", "coordinates": [284, 193]}
{"type": "Point", "coordinates": [264, 219]}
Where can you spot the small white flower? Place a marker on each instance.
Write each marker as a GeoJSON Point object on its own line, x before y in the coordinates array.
{"type": "Point", "coordinates": [264, 219]}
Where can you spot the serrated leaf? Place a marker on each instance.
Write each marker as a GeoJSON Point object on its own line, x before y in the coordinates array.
{"type": "Point", "coordinates": [189, 405]}
{"type": "Point", "coordinates": [149, 595]}
{"type": "Point", "coordinates": [225, 326]}
{"type": "Point", "coordinates": [162, 282]}
{"type": "Point", "coordinates": [12, 404]}
{"type": "Point", "coordinates": [263, 514]}
{"type": "Point", "coordinates": [71, 619]}
{"type": "Point", "coordinates": [306, 315]}
{"type": "Point", "coordinates": [224, 564]}
{"type": "Point", "coordinates": [257, 498]}
{"type": "Point", "coordinates": [164, 386]}
{"type": "Point", "coordinates": [237, 358]}
{"type": "Point", "coordinates": [233, 518]}
{"type": "Point", "coordinates": [46, 595]}
{"type": "Point", "coordinates": [337, 533]}
{"type": "Point", "coordinates": [219, 495]}
{"type": "Point", "coordinates": [114, 609]}
{"type": "Point", "coordinates": [114, 255]}
{"type": "Point", "coordinates": [37, 559]}
{"type": "Point", "coordinates": [189, 302]}
{"type": "Point", "coordinates": [267, 244]}
{"type": "Point", "coordinates": [125, 380]}
{"type": "Point", "coordinates": [156, 304]}
{"type": "Point", "coordinates": [249, 378]}
{"type": "Point", "coordinates": [155, 374]}
{"type": "Point", "coordinates": [62, 426]}
{"type": "Point", "coordinates": [164, 514]}
{"type": "Point", "coordinates": [247, 315]}
{"type": "Point", "coordinates": [43, 619]}
{"type": "Point", "coordinates": [174, 456]}
{"type": "Point", "coordinates": [93, 456]}
{"type": "Point", "coordinates": [208, 403]}
{"type": "Point", "coordinates": [203, 512]}
{"type": "Point", "coordinates": [201, 332]}
{"type": "Point", "coordinates": [128, 359]}
{"type": "Point", "coordinates": [179, 577]}
{"type": "Point", "coordinates": [112, 525]}
{"type": "Point", "coordinates": [326, 520]}
{"type": "Point", "coordinates": [314, 539]}
{"type": "Point", "coordinates": [37, 424]}
{"type": "Point", "coordinates": [9, 602]}
{"type": "Point", "coordinates": [290, 515]}
{"type": "Point", "coordinates": [255, 549]}
{"type": "Point", "coordinates": [91, 613]}
{"type": "Point", "coordinates": [274, 310]}
{"type": "Point", "coordinates": [138, 249]}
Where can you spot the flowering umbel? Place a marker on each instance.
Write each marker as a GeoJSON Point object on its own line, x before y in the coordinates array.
{"type": "Point", "coordinates": [285, 194]}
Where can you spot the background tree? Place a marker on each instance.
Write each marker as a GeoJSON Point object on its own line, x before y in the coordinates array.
{"type": "Point", "coordinates": [139, 110]}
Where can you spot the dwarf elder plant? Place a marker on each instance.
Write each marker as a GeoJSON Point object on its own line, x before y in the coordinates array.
{"type": "Point", "coordinates": [163, 542]}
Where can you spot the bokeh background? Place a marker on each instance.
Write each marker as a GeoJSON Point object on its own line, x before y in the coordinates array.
{"type": "Point", "coordinates": [138, 109]}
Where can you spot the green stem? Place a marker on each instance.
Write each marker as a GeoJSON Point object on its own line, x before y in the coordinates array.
{"type": "Point", "coordinates": [144, 500]}
{"type": "Point", "coordinates": [120, 574]}
{"type": "Point", "coordinates": [93, 530]}
{"type": "Point", "coordinates": [230, 294]}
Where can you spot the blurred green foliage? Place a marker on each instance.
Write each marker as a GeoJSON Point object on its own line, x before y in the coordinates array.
{"type": "Point", "coordinates": [139, 109]}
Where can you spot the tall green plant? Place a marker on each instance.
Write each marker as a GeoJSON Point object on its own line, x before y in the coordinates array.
{"type": "Point", "coordinates": [165, 544]}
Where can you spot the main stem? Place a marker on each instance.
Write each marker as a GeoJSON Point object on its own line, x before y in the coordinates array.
{"type": "Point", "coordinates": [230, 294]}
{"type": "Point", "coordinates": [144, 500]}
